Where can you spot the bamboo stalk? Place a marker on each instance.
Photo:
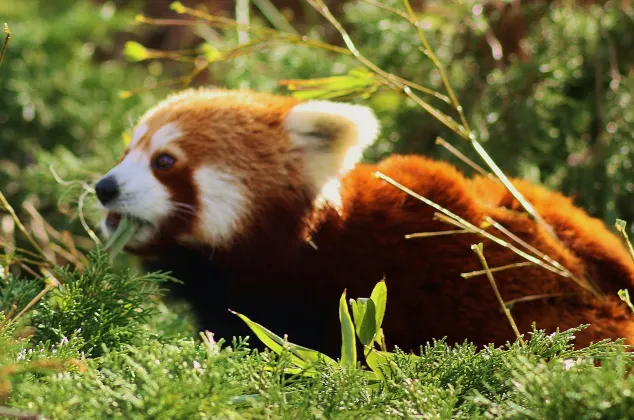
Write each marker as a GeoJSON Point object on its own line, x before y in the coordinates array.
{"type": "Point", "coordinates": [478, 249]}
{"type": "Point", "coordinates": [7, 37]}
{"type": "Point", "coordinates": [495, 269]}
{"type": "Point", "coordinates": [451, 218]}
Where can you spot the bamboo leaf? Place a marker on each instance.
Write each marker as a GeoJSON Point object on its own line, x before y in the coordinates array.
{"type": "Point", "coordinates": [358, 310]}
{"type": "Point", "coordinates": [366, 329]}
{"type": "Point", "coordinates": [125, 231]}
{"type": "Point", "coordinates": [379, 297]}
{"type": "Point", "coordinates": [302, 357]}
{"type": "Point", "coordinates": [379, 362]}
{"type": "Point", "coordinates": [356, 82]}
{"type": "Point", "coordinates": [348, 339]}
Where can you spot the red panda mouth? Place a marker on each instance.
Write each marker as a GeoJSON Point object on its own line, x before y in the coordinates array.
{"type": "Point", "coordinates": [113, 219]}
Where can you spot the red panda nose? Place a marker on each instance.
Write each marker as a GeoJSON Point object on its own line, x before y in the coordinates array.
{"type": "Point", "coordinates": [107, 189]}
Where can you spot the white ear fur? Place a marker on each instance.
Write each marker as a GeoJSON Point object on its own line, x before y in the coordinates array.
{"type": "Point", "coordinates": [332, 134]}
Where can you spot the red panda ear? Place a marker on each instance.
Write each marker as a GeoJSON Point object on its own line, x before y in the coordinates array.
{"type": "Point", "coordinates": [332, 135]}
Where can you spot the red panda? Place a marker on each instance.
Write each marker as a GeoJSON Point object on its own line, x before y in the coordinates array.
{"type": "Point", "coordinates": [231, 184]}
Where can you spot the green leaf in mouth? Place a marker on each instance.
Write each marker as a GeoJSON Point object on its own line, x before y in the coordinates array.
{"type": "Point", "coordinates": [126, 229]}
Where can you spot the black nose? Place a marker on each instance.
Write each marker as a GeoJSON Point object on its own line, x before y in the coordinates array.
{"type": "Point", "coordinates": [107, 189]}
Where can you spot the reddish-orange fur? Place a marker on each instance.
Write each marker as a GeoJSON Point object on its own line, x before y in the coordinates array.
{"type": "Point", "coordinates": [278, 279]}
{"type": "Point", "coordinates": [427, 298]}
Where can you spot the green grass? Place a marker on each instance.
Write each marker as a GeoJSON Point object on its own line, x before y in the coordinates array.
{"type": "Point", "coordinates": [144, 362]}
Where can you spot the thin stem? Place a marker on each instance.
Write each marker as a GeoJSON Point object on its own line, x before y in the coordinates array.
{"type": "Point", "coordinates": [540, 254]}
{"type": "Point", "coordinates": [621, 227]}
{"type": "Point", "coordinates": [478, 250]}
{"type": "Point", "coordinates": [390, 9]}
{"type": "Point", "coordinates": [243, 18]}
{"type": "Point", "coordinates": [389, 79]}
{"type": "Point", "coordinates": [464, 158]}
{"type": "Point", "coordinates": [53, 283]}
{"type": "Point", "coordinates": [13, 248]}
{"type": "Point", "coordinates": [502, 243]}
{"type": "Point", "coordinates": [15, 259]}
{"type": "Point", "coordinates": [82, 220]}
{"type": "Point", "coordinates": [496, 269]}
{"type": "Point", "coordinates": [429, 52]}
{"type": "Point", "coordinates": [451, 218]}
{"type": "Point", "coordinates": [258, 30]}
{"type": "Point", "coordinates": [433, 234]}
{"type": "Point", "coordinates": [7, 37]}
{"type": "Point", "coordinates": [184, 80]}
{"type": "Point", "coordinates": [20, 226]}
{"type": "Point", "coordinates": [7, 317]}
{"type": "Point", "coordinates": [511, 188]}
{"type": "Point", "coordinates": [531, 298]}
{"type": "Point", "coordinates": [274, 16]}
{"type": "Point", "coordinates": [30, 271]}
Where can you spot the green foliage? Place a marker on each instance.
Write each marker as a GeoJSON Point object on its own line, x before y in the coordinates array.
{"type": "Point", "coordinates": [105, 307]}
{"type": "Point", "coordinates": [368, 316]}
{"type": "Point", "coordinates": [185, 378]}
{"type": "Point", "coordinates": [570, 389]}
{"type": "Point", "coordinates": [17, 291]}
{"type": "Point", "coordinates": [562, 117]}
{"type": "Point", "coordinates": [59, 101]}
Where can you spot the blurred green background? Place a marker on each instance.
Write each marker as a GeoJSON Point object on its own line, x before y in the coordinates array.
{"type": "Point", "coordinates": [547, 85]}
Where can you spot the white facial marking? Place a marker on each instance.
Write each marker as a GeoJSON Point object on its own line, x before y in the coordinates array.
{"type": "Point", "coordinates": [330, 196]}
{"type": "Point", "coordinates": [223, 204]}
{"type": "Point", "coordinates": [141, 194]}
{"type": "Point", "coordinates": [140, 131]}
{"type": "Point", "coordinates": [164, 135]}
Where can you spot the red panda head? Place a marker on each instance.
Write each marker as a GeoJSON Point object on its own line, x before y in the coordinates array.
{"type": "Point", "coordinates": [203, 164]}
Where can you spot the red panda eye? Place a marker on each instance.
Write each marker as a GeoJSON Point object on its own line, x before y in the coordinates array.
{"type": "Point", "coordinates": [163, 161]}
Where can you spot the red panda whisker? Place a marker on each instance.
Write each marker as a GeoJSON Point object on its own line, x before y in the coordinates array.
{"type": "Point", "coordinates": [184, 212]}
{"type": "Point", "coordinates": [183, 205]}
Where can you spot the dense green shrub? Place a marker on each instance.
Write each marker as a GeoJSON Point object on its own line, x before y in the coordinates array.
{"type": "Point", "coordinates": [562, 116]}
{"type": "Point", "coordinates": [59, 99]}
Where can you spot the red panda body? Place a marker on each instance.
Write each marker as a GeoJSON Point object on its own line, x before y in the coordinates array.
{"type": "Point", "coordinates": [268, 192]}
